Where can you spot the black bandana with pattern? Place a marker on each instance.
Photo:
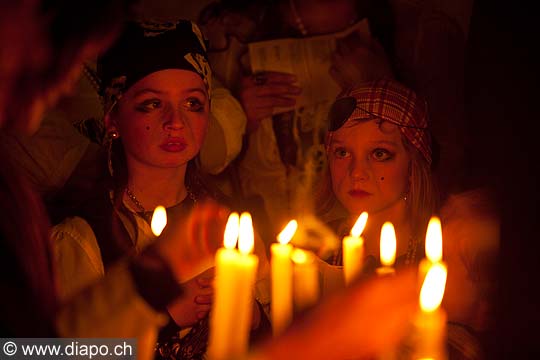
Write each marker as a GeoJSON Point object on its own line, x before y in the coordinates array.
{"type": "Point", "coordinates": [146, 47]}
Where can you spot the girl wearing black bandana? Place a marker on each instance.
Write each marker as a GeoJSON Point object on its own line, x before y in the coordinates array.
{"type": "Point", "coordinates": [156, 89]}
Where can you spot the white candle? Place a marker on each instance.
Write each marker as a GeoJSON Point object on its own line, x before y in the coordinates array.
{"type": "Point", "coordinates": [231, 313]}
{"type": "Point", "coordinates": [159, 220]}
{"type": "Point", "coordinates": [430, 322]}
{"type": "Point", "coordinates": [353, 250]}
{"type": "Point", "coordinates": [433, 248]}
{"type": "Point", "coordinates": [305, 278]}
{"type": "Point", "coordinates": [388, 249]}
{"type": "Point", "coordinates": [282, 277]}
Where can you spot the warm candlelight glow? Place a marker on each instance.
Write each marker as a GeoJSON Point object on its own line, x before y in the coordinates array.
{"type": "Point", "coordinates": [246, 240]}
{"type": "Point", "coordinates": [159, 220]}
{"type": "Point", "coordinates": [432, 291]}
{"type": "Point", "coordinates": [231, 231]}
{"type": "Point", "coordinates": [299, 256]}
{"type": "Point", "coordinates": [359, 225]}
{"type": "Point", "coordinates": [388, 244]}
{"type": "Point", "coordinates": [305, 279]}
{"type": "Point", "coordinates": [288, 232]}
{"type": "Point", "coordinates": [232, 306]}
{"type": "Point", "coordinates": [434, 240]}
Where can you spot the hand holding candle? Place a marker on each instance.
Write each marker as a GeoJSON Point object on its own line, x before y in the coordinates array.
{"type": "Point", "coordinates": [388, 249]}
{"type": "Point", "coordinates": [353, 249]}
{"type": "Point", "coordinates": [282, 275]}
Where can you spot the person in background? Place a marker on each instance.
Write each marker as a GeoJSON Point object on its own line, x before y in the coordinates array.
{"type": "Point", "coordinates": [279, 147]}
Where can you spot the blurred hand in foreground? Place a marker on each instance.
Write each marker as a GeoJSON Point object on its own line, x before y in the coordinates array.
{"type": "Point", "coordinates": [361, 322]}
{"type": "Point", "coordinates": [188, 243]}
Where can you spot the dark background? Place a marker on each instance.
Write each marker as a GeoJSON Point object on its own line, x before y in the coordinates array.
{"type": "Point", "coordinates": [502, 99]}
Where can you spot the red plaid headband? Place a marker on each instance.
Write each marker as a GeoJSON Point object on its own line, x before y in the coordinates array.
{"type": "Point", "coordinates": [390, 101]}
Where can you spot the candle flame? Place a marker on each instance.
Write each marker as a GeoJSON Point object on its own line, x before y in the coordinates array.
{"type": "Point", "coordinates": [359, 225]}
{"type": "Point", "coordinates": [388, 244]}
{"type": "Point", "coordinates": [231, 231]}
{"type": "Point", "coordinates": [300, 256]}
{"type": "Point", "coordinates": [246, 240]}
{"type": "Point", "coordinates": [434, 240]}
{"type": "Point", "coordinates": [288, 232]}
{"type": "Point", "coordinates": [159, 220]}
{"type": "Point", "coordinates": [432, 291]}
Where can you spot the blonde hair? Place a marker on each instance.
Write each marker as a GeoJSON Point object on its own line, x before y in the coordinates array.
{"type": "Point", "coordinates": [422, 195]}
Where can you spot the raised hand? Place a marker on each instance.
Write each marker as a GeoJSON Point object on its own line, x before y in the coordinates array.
{"type": "Point", "coordinates": [259, 94]}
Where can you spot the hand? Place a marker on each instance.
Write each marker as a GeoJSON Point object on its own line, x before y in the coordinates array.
{"type": "Point", "coordinates": [354, 62]}
{"type": "Point", "coordinates": [364, 320]}
{"type": "Point", "coordinates": [259, 94]}
{"type": "Point", "coordinates": [188, 243]}
{"type": "Point", "coordinates": [196, 300]}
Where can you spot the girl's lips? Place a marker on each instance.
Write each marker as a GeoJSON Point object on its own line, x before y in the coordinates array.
{"type": "Point", "coordinates": [358, 193]}
{"type": "Point", "coordinates": [174, 145]}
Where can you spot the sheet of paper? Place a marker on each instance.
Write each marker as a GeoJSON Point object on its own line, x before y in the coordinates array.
{"type": "Point", "coordinates": [308, 58]}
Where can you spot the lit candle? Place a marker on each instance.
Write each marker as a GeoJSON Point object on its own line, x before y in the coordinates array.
{"type": "Point", "coordinates": [231, 313]}
{"type": "Point", "coordinates": [305, 278]}
{"type": "Point", "coordinates": [388, 249]}
{"type": "Point", "coordinates": [353, 249]}
{"type": "Point", "coordinates": [159, 220]}
{"type": "Point", "coordinates": [430, 323]}
{"type": "Point", "coordinates": [433, 248]}
{"type": "Point", "coordinates": [282, 275]}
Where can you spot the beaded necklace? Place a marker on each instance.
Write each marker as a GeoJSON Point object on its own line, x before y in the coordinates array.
{"type": "Point", "coordinates": [147, 214]}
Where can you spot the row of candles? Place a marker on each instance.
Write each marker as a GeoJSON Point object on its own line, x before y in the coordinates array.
{"type": "Point", "coordinates": [295, 282]}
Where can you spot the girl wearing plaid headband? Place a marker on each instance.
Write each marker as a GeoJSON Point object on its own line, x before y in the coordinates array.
{"type": "Point", "coordinates": [379, 157]}
{"type": "Point", "coordinates": [156, 90]}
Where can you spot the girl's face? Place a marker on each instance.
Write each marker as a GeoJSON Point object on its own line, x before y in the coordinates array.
{"type": "Point", "coordinates": [162, 118]}
{"type": "Point", "coordinates": [368, 166]}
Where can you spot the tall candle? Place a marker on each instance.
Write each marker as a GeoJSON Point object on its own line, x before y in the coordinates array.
{"type": "Point", "coordinates": [353, 249]}
{"type": "Point", "coordinates": [231, 313]}
{"type": "Point", "coordinates": [159, 220]}
{"type": "Point", "coordinates": [430, 322]}
{"type": "Point", "coordinates": [282, 278]}
{"type": "Point", "coordinates": [305, 279]}
{"type": "Point", "coordinates": [388, 249]}
{"type": "Point", "coordinates": [433, 248]}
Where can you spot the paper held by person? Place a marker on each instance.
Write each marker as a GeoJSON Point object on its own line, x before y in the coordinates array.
{"type": "Point", "coordinates": [308, 58]}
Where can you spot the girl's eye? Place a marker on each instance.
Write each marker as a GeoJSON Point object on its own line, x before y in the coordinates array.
{"type": "Point", "coordinates": [149, 105]}
{"type": "Point", "coordinates": [194, 104]}
{"type": "Point", "coordinates": [341, 153]}
{"type": "Point", "coordinates": [381, 154]}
